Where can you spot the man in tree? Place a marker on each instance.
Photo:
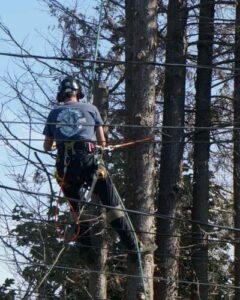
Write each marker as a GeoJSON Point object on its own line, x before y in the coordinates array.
{"type": "Point", "coordinates": [76, 128]}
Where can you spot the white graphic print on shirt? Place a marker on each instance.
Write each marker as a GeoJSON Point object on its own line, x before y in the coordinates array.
{"type": "Point", "coordinates": [70, 121]}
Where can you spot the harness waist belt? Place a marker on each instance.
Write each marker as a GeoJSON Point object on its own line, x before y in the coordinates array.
{"type": "Point", "coordinates": [75, 147]}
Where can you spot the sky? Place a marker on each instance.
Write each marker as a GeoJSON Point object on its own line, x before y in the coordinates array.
{"type": "Point", "coordinates": [27, 20]}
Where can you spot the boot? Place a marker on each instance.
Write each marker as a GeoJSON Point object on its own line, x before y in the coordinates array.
{"type": "Point", "coordinates": [127, 236]}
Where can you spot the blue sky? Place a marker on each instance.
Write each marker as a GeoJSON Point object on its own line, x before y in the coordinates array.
{"type": "Point", "coordinates": [26, 19]}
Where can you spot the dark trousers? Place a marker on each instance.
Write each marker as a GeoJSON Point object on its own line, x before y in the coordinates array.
{"type": "Point", "coordinates": [80, 170]}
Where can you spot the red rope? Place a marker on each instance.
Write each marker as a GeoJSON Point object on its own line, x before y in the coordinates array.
{"type": "Point", "coordinates": [72, 211]}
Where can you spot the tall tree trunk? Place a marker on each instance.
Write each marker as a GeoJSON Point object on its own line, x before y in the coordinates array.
{"type": "Point", "coordinates": [98, 280]}
{"type": "Point", "coordinates": [236, 153]}
{"type": "Point", "coordinates": [171, 153]}
{"type": "Point", "coordinates": [141, 35]}
{"type": "Point", "coordinates": [201, 149]}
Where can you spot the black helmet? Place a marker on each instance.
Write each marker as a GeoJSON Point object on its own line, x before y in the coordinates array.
{"type": "Point", "coordinates": [67, 86]}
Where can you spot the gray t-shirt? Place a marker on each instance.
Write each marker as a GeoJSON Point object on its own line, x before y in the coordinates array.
{"type": "Point", "coordinates": [73, 121]}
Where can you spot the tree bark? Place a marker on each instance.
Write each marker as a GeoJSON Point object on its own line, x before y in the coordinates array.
{"type": "Point", "coordinates": [98, 280]}
{"type": "Point", "coordinates": [201, 150]}
{"type": "Point", "coordinates": [141, 35]}
{"type": "Point", "coordinates": [236, 153]}
{"type": "Point", "coordinates": [171, 153]}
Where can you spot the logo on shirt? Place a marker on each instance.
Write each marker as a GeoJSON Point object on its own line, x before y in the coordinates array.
{"type": "Point", "coordinates": [70, 121]}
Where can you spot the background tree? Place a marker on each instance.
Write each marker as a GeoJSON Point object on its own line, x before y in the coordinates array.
{"type": "Point", "coordinates": [28, 232]}
{"type": "Point", "coordinates": [140, 46]}
{"type": "Point", "coordinates": [236, 150]}
{"type": "Point", "coordinates": [201, 148]}
{"type": "Point", "coordinates": [171, 151]}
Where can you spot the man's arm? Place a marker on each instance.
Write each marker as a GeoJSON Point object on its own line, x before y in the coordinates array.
{"type": "Point", "coordinates": [48, 143]}
{"type": "Point", "coordinates": [101, 141]}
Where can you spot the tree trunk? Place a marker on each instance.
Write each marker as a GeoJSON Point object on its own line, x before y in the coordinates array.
{"type": "Point", "coordinates": [98, 280]}
{"type": "Point", "coordinates": [141, 35]}
{"type": "Point", "coordinates": [171, 153]}
{"type": "Point", "coordinates": [236, 153]}
{"type": "Point", "coordinates": [201, 149]}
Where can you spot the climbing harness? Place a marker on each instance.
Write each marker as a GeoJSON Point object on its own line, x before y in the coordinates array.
{"type": "Point", "coordinates": [68, 148]}
{"type": "Point", "coordinates": [86, 194]}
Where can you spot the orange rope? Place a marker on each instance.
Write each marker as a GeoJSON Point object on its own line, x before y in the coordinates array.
{"type": "Point", "coordinates": [74, 214]}
{"type": "Point", "coordinates": [131, 143]}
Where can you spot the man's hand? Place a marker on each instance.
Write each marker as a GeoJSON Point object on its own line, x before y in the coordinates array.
{"type": "Point", "coordinates": [48, 143]}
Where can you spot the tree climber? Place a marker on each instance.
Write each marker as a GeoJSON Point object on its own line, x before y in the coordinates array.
{"type": "Point", "coordinates": [76, 128]}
